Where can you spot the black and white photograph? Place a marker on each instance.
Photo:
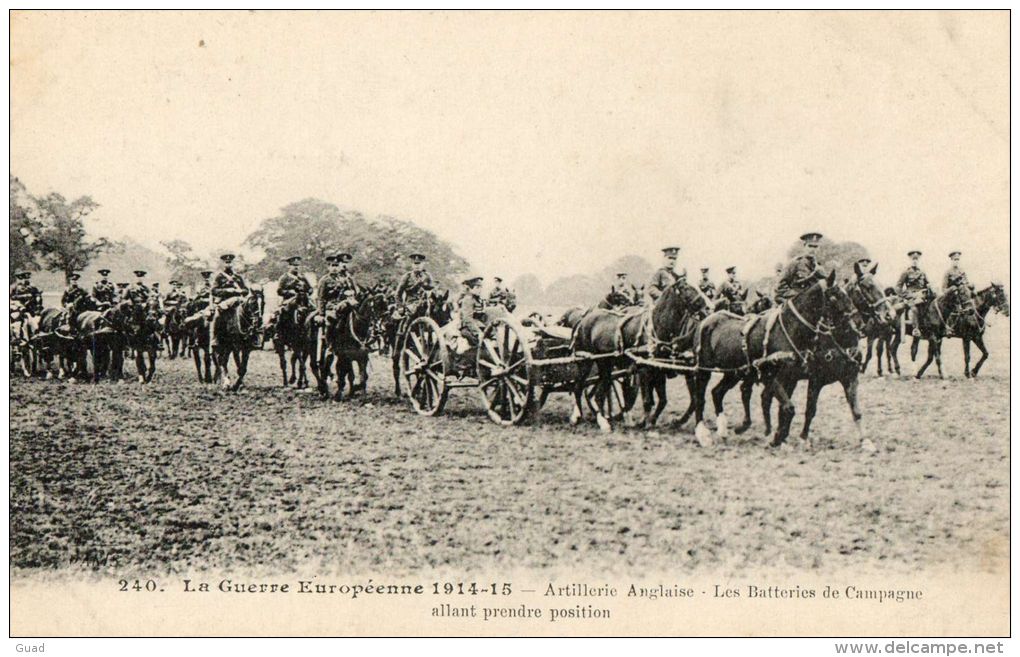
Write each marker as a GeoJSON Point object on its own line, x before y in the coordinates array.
{"type": "Point", "coordinates": [509, 323]}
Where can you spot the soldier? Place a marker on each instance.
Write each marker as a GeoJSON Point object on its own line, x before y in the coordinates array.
{"type": "Point", "coordinates": [914, 287]}
{"type": "Point", "coordinates": [955, 276]}
{"type": "Point", "coordinates": [664, 276]}
{"type": "Point", "coordinates": [416, 283]}
{"type": "Point", "coordinates": [27, 294]}
{"type": "Point", "coordinates": [732, 290]}
{"type": "Point", "coordinates": [622, 293]}
{"type": "Point", "coordinates": [138, 293]}
{"type": "Point", "coordinates": [73, 295]}
{"type": "Point", "coordinates": [502, 295]}
{"type": "Point", "coordinates": [803, 271]}
{"type": "Point", "coordinates": [176, 298]}
{"type": "Point", "coordinates": [104, 291]}
{"type": "Point", "coordinates": [292, 286]}
{"type": "Point", "coordinates": [336, 289]}
{"type": "Point", "coordinates": [122, 292]}
{"type": "Point", "coordinates": [227, 286]}
{"type": "Point", "coordinates": [706, 286]}
{"type": "Point", "coordinates": [156, 298]}
{"type": "Point", "coordinates": [777, 275]}
{"type": "Point", "coordinates": [471, 310]}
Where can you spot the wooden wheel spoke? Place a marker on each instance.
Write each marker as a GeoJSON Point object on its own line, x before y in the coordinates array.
{"type": "Point", "coordinates": [496, 357]}
{"type": "Point", "coordinates": [520, 380]}
{"type": "Point", "coordinates": [488, 382]}
{"type": "Point", "coordinates": [487, 364]}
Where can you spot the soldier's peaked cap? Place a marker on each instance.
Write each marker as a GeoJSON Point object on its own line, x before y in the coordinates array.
{"type": "Point", "coordinates": [75, 276]}
{"type": "Point", "coordinates": [227, 256]}
{"type": "Point", "coordinates": [731, 269]}
{"type": "Point", "coordinates": [472, 280]}
{"type": "Point", "coordinates": [23, 274]}
{"type": "Point", "coordinates": [913, 253]}
{"type": "Point", "coordinates": [205, 273]}
{"type": "Point", "coordinates": [953, 254]}
{"type": "Point", "coordinates": [621, 273]}
{"type": "Point", "coordinates": [175, 282]}
{"type": "Point", "coordinates": [104, 272]}
{"type": "Point", "coordinates": [140, 272]}
{"type": "Point", "coordinates": [293, 259]}
{"type": "Point", "coordinates": [123, 284]}
{"type": "Point", "coordinates": [343, 256]}
{"type": "Point", "coordinates": [811, 238]}
{"type": "Point", "coordinates": [417, 257]}
{"type": "Point", "coordinates": [704, 270]}
{"type": "Point", "coordinates": [671, 250]}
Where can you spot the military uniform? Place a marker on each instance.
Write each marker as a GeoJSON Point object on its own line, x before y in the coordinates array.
{"type": "Point", "coordinates": [953, 278]}
{"type": "Point", "coordinates": [624, 291]}
{"type": "Point", "coordinates": [175, 299]}
{"type": "Point", "coordinates": [732, 291]}
{"type": "Point", "coordinates": [707, 288]}
{"type": "Point", "coordinates": [104, 292]}
{"type": "Point", "coordinates": [799, 275]}
{"type": "Point", "coordinates": [332, 292]}
{"type": "Point", "coordinates": [472, 316]}
{"type": "Point", "coordinates": [226, 286]}
{"type": "Point", "coordinates": [291, 285]}
{"type": "Point", "coordinates": [28, 295]}
{"type": "Point", "coordinates": [503, 296]}
{"type": "Point", "coordinates": [660, 280]}
{"type": "Point", "coordinates": [912, 281]}
{"type": "Point", "coordinates": [414, 284]}
{"type": "Point", "coordinates": [138, 293]}
{"type": "Point", "coordinates": [73, 294]}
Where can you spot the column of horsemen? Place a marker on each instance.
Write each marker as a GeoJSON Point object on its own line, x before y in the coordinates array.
{"type": "Point", "coordinates": [337, 293]}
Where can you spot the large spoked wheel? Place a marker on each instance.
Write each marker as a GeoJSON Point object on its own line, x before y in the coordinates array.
{"type": "Point", "coordinates": [424, 365]}
{"type": "Point", "coordinates": [619, 397]}
{"type": "Point", "coordinates": [505, 373]}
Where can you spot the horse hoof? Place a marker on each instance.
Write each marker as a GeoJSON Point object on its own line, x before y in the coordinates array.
{"type": "Point", "coordinates": [141, 379]}
{"type": "Point", "coordinates": [703, 435]}
{"type": "Point", "coordinates": [742, 428]}
{"type": "Point", "coordinates": [575, 416]}
{"type": "Point", "coordinates": [603, 423]}
{"type": "Point", "coordinates": [722, 426]}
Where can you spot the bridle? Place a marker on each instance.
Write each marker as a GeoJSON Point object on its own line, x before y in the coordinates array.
{"type": "Point", "coordinates": [820, 329]}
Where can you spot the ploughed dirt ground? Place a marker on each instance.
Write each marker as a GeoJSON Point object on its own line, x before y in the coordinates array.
{"type": "Point", "coordinates": [177, 476]}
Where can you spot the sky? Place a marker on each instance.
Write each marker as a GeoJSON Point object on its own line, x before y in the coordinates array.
{"type": "Point", "coordinates": [549, 143]}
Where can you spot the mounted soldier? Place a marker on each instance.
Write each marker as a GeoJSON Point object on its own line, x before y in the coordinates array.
{"type": "Point", "coordinates": [139, 292]}
{"type": "Point", "coordinates": [292, 288]}
{"type": "Point", "coordinates": [954, 277]}
{"type": "Point", "coordinates": [414, 285]}
{"type": "Point", "coordinates": [336, 291]}
{"type": "Point", "coordinates": [26, 294]}
{"type": "Point", "coordinates": [73, 296]}
{"type": "Point", "coordinates": [915, 289]}
{"type": "Point", "coordinates": [502, 295]}
{"type": "Point", "coordinates": [227, 290]}
{"type": "Point", "coordinates": [664, 276]}
{"type": "Point", "coordinates": [122, 291]}
{"type": "Point", "coordinates": [104, 291]}
{"type": "Point", "coordinates": [803, 271]}
{"type": "Point", "coordinates": [156, 298]}
{"type": "Point", "coordinates": [706, 286]}
{"type": "Point", "coordinates": [176, 298]}
{"type": "Point", "coordinates": [733, 291]}
{"type": "Point", "coordinates": [622, 294]}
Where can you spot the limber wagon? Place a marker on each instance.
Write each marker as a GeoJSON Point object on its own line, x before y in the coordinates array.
{"type": "Point", "coordinates": [514, 369]}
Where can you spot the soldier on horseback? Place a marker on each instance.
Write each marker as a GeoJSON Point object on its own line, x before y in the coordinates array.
{"type": "Point", "coordinates": [293, 288]}
{"type": "Point", "coordinates": [954, 277]}
{"type": "Point", "coordinates": [72, 297]}
{"type": "Point", "coordinates": [732, 291]}
{"type": "Point", "coordinates": [414, 286]}
{"type": "Point", "coordinates": [622, 294]}
{"type": "Point", "coordinates": [122, 291]}
{"type": "Point", "coordinates": [176, 298]}
{"type": "Point", "coordinates": [156, 298]}
{"type": "Point", "coordinates": [228, 288]}
{"type": "Point", "coordinates": [138, 293]}
{"type": "Point", "coordinates": [336, 290]}
{"type": "Point", "coordinates": [502, 295]}
{"type": "Point", "coordinates": [803, 271]}
{"type": "Point", "coordinates": [915, 289]}
{"type": "Point", "coordinates": [664, 276]}
{"type": "Point", "coordinates": [706, 286]}
{"type": "Point", "coordinates": [104, 291]}
{"type": "Point", "coordinates": [27, 294]}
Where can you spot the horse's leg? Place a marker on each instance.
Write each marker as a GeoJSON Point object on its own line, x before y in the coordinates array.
{"type": "Point", "coordinates": [850, 390]}
{"type": "Point", "coordinates": [140, 364]}
{"type": "Point", "coordinates": [810, 408]}
{"type": "Point", "coordinates": [241, 360]}
{"type": "Point", "coordinates": [281, 353]}
{"type": "Point", "coordinates": [363, 374]}
{"type": "Point", "coordinates": [966, 357]}
{"type": "Point", "coordinates": [931, 357]}
{"type": "Point", "coordinates": [584, 371]}
{"type": "Point", "coordinates": [893, 350]}
{"type": "Point", "coordinates": [718, 398]}
{"type": "Point", "coordinates": [783, 389]}
{"type": "Point", "coordinates": [396, 372]}
{"type": "Point", "coordinates": [647, 397]}
{"type": "Point", "coordinates": [659, 391]}
{"type": "Point", "coordinates": [746, 388]}
{"type": "Point", "coordinates": [603, 387]}
{"type": "Point", "coordinates": [915, 343]}
{"type": "Point", "coordinates": [701, 432]}
{"type": "Point", "coordinates": [152, 365]}
{"type": "Point", "coordinates": [341, 376]}
{"type": "Point", "coordinates": [867, 356]}
{"type": "Point", "coordinates": [938, 357]}
{"type": "Point", "coordinates": [879, 355]}
{"type": "Point", "coordinates": [980, 342]}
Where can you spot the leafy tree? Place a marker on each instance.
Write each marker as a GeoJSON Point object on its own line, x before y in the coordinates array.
{"type": "Point", "coordinates": [314, 229]}
{"type": "Point", "coordinates": [183, 263]}
{"type": "Point", "coordinates": [24, 229]}
{"type": "Point", "coordinates": [62, 239]}
{"type": "Point", "coordinates": [528, 290]}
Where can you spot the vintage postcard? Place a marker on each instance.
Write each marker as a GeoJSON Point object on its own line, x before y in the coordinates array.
{"type": "Point", "coordinates": [451, 323]}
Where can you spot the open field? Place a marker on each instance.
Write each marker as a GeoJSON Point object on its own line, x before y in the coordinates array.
{"type": "Point", "coordinates": [177, 477]}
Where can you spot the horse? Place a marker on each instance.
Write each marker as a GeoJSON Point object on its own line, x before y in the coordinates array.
{"type": "Point", "coordinates": [57, 337]}
{"type": "Point", "coordinates": [24, 326]}
{"type": "Point", "coordinates": [347, 342]}
{"type": "Point", "coordinates": [771, 348]}
{"type": "Point", "coordinates": [883, 338]}
{"type": "Point", "coordinates": [289, 333]}
{"type": "Point", "coordinates": [836, 357]}
{"type": "Point", "coordinates": [174, 331]}
{"type": "Point", "coordinates": [990, 298]}
{"type": "Point", "coordinates": [435, 305]}
{"type": "Point", "coordinates": [140, 325]}
{"type": "Point", "coordinates": [616, 300]}
{"type": "Point", "coordinates": [235, 333]}
{"type": "Point", "coordinates": [607, 334]}
{"type": "Point", "coordinates": [936, 317]}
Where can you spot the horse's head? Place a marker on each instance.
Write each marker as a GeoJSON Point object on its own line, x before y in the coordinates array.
{"type": "Point", "coordinates": [761, 303]}
{"type": "Point", "coordinates": [839, 309]}
{"type": "Point", "coordinates": [18, 311]}
{"type": "Point", "coordinates": [998, 298]}
{"type": "Point", "coordinates": [868, 297]}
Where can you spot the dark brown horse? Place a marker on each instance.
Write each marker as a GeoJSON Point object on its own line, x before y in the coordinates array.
{"type": "Point", "coordinates": [289, 334]}
{"type": "Point", "coordinates": [235, 333]}
{"type": "Point", "coordinates": [347, 343]}
{"type": "Point", "coordinates": [884, 337]}
{"type": "Point", "coordinates": [773, 349]}
{"type": "Point", "coordinates": [972, 329]}
{"type": "Point", "coordinates": [938, 316]}
{"type": "Point", "coordinates": [605, 335]}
